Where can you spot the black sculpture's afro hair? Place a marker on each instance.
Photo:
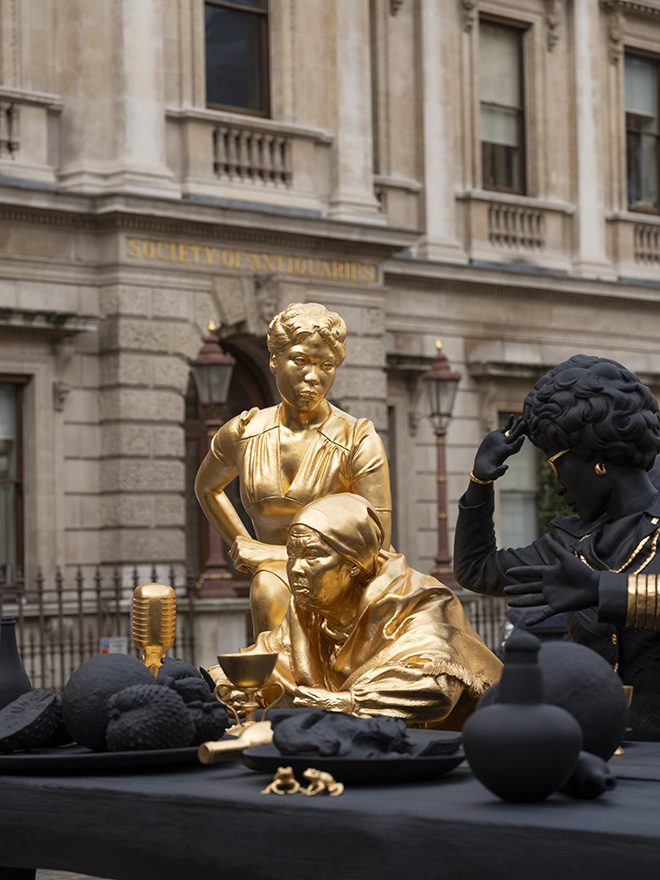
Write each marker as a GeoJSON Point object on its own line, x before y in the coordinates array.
{"type": "Point", "coordinates": [595, 407]}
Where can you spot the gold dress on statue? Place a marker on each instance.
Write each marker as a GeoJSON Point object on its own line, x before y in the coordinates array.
{"type": "Point", "coordinates": [345, 455]}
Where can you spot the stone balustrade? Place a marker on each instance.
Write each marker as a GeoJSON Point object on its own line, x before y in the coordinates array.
{"type": "Point", "coordinates": [513, 226]}
{"type": "Point", "coordinates": [646, 238]}
{"type": "Point", "coordinates": [500, 227]}
{"type": "Point", "coordinates": [635, 244]}
{"type": "Point", "coordinates": [228, 155]}
{"type": "Point", "coordinates": [258, 157]}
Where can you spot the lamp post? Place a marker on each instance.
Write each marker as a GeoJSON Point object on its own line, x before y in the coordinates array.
{"type": "Point", "coordinates": [212, 370]}
{"type": "Point", "coordinates": [441, 383]}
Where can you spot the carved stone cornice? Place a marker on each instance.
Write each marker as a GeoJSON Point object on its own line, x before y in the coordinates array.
{"type": "Point", "coordinates": [263, 230]}
{"type": "Point", "coordinates": [569, 295]}
{"type": "Point", "coordinates": [633, 7]}
{"type": "Point", "coordinates": [617, 10]}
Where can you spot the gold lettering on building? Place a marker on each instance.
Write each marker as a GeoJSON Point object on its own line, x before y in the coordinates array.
{"type": "Point", "coordinates": [187, 253]}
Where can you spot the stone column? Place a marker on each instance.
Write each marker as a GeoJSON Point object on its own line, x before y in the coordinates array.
{"type": "Point", "coordinates": [439, 65]}
{"type": "Point", "coordinates": [590, 73]}
{"type": "Point", "coordinates": [352, 173]}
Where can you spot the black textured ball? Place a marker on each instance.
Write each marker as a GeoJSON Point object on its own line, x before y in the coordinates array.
{"type": "Point", "coordinates": [145, 717]}
{"type": "Point", "coordinates": [210, 721]}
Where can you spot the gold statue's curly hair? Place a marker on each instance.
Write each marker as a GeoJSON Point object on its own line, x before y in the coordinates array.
{"type": "Point", "coordinates": [299, 320]}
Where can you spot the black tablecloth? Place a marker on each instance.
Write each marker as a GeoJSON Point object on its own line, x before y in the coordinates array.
{"type": "Point", "coordinates": [212, 822]}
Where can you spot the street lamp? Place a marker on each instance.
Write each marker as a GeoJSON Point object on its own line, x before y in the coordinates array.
{"type": "Point", "coordinates": [441, 383]}
{"type": "Point", "coordinates": [212, 370]}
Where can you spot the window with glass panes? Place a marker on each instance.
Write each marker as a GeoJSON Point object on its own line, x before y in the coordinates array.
{"type": "Point", "coordinates": [237, 62]}
{"type": "Point", "coordinates": [518, 497]}
{"type": "Point", "coordinates": [642, 76]}
{"type": "Point", "coordinates": [502, 106]}
{"type": "Point", "coordinates": [11, 476]}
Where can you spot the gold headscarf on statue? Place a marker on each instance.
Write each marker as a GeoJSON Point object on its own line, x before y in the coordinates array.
{"type": "Point", "coordinates": [341, 522]}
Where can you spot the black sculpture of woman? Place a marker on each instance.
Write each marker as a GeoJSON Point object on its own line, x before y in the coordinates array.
{"type": "Point", "coordinates": [599, 427]}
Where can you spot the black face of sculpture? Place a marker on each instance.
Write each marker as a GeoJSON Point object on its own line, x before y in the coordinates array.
{"type": "Point", "coordinates": [587, 493]}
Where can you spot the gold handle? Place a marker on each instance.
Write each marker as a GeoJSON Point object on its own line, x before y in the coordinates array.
{"type": "Point", "coordinates": [275, 701]}
{"type": "Point", "coordinates": [216, 694]}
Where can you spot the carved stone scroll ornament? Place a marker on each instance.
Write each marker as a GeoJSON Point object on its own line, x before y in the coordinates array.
{"type": "Point", "coordinates": [552, 23]}
{"type": "Point", "coordinates": [395, 5]}
{"type": "Point", "coordinates": [616, 30]}
{"type": "Point", "coordinates": [60, 393]}
{"type": "Point", "coordinates": [469, 14]}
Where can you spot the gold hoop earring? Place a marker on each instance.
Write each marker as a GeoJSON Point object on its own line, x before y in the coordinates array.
{"type": "Point", "coordinates": [600, 468]}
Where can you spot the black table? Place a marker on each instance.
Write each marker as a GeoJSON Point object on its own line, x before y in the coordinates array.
{"type": "Point", "coordinates": [212, 822]}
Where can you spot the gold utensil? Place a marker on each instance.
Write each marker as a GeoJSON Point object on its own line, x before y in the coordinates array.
{"type": "Point", "coordinates": [248, 672]}
{"type": "Point", "coordinates": [258, 734]}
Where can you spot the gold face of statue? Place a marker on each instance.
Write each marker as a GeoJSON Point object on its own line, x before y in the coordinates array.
{"type": "Point", "coordinates": [305, 373]}
{"type": "Point", "coordinates": [319, 577]}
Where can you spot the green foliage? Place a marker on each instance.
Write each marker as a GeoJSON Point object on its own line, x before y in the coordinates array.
{"type": "Point", "coordinates": [550, 504]}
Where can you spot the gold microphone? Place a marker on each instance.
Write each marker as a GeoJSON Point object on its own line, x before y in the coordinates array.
{"type": "Point", "coordinates": [154, 620]}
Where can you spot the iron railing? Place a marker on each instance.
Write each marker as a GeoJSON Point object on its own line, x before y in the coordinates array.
{"type": "Point", "coordinates": [59, 627]}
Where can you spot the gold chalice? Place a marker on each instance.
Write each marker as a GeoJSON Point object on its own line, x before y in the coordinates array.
{"type": "Point", "coordinates": [249, 673]}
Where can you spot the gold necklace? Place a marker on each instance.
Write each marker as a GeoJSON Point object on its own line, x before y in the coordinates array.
{"type": "Point", "coordinates": [638, 549]}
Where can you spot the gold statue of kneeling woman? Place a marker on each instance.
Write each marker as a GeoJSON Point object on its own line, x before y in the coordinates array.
{"type": "Point", "coordinates": [364, 633]}
{"type": "Point", "coordinates": [288, 455]}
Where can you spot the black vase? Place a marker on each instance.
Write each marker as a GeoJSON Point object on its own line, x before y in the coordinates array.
{"type": "Point", "coordinates": [521, 748]}
{"type": "Point", "coordinates": [14, 679]}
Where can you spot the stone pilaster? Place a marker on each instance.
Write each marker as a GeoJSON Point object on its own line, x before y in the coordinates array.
{"type": "Point", "coordinates": [352, 163]}
{"type": "Point", "coordinates": [114, 136]}
{"type": "Point", "coordinates": [590, 78]}
{"type": "Point", "coordinates": [439, 65]}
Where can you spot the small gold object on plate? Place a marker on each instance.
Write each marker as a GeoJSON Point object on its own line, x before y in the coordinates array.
{"type": "Point", "coordinates": [248, 672]}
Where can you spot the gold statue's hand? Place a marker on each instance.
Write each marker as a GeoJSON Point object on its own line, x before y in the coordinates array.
{"type": "Point", "coordinates": [319, 698]}
{"type": "Point", "coordinates": [248, 554]}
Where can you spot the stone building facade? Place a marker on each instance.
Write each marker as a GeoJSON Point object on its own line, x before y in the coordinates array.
{"type": "Point", "coordinates": [480, 171]}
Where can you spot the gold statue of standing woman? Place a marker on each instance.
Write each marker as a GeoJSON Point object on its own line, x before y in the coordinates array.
{"type": "Point", "coordinates": [289, 455]}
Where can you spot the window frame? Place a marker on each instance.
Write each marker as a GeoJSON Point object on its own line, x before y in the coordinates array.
{"type": "Point", "coordinates": [20, 382]}
{"type": "Point", "coordinates": [264, 36]}
{"type": "Point", "coordinates": [521, 29]}
{"type": "Point", "coordinates": [632, 52]}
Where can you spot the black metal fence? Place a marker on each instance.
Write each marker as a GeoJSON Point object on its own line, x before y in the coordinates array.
{"type": "Point", "coordinates": [60, 626]}
{"type": "Point", "coordinates": [488, 614]}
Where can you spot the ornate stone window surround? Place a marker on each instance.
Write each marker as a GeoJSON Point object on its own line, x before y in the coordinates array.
{"type": "Point", "coordinates": [633, 26]}
{"type": "Point", "coordinates": [231, 153]}
{"type": "Point", "coordinates": [533, 223]}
